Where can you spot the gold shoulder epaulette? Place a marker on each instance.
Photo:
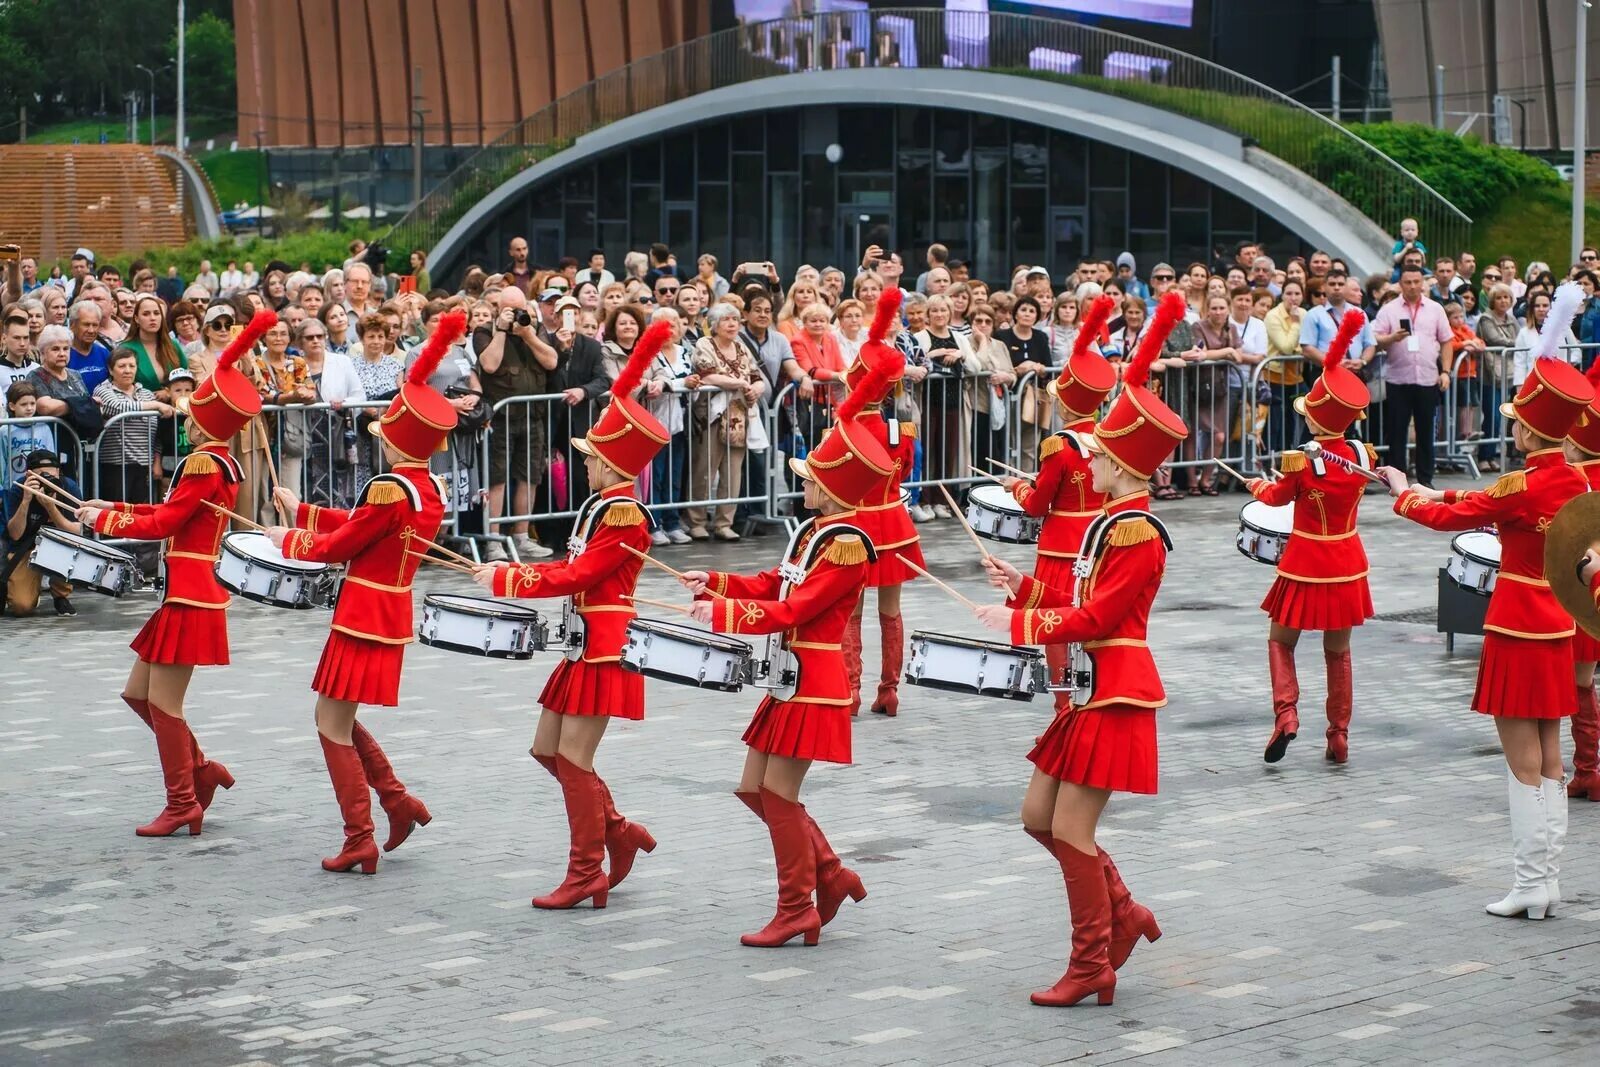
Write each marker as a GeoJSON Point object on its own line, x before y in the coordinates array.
{"type": "Point", "coordinates": [1512, 482]}
{"type": "Point", "coordinates": [200, 463]}
{"type": "Point", "coordinates": [1292, 461]}
{"type": "Point", "coordinates": [908, 429]}
{"type": "Point", "coordinates": [1050, 446]}
{"type": "Point", "coordinates": [1372, 453]}
{"type": "Point", "coordinates": [626, 513]}
{"type": "Point", "coordinates": [1132, 532]}
{"type": "Point", "coordinates": [845, 550]}
{"type": "Point", "coordinates": [381, 491]}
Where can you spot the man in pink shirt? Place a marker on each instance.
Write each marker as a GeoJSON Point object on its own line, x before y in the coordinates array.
{"type": "Point", "coordinates": [1419, 351]}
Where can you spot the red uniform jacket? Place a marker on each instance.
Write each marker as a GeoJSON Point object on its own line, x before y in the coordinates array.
{"type": "Point", "coordinates": [1590, 469]}
{"type": "Point", "coordinates": [884, 518]}
{"type": "Point", "coordinates": [375, 539]}
{"type": "Point", "coordinates": [1521, 505]}
{"type": "Point", "coordinates": [1323, 546]}
{"type": "Point", "coordinates": [1111, 623]}
{"type": "Point", "coordinates": [600, 576]}
{"type": "Point", "coordinates": [812, 617]}
{"type": "Point", "coordinates": [193, 531]}
{"type": "Point", "coordinates": [1062, 492]}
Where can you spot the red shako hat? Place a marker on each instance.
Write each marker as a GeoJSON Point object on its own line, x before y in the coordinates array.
{"type": "Point", "coordinates": [1140, 432]}
{"type": "Point", "coordinates": [1340, 397]}
{"type": "Point", "coordinates": [626, 437]}
{"type": "Point", "coordinates": [419, 419]}
{"type": "Point", "coordinates": [225, 402]}
{"type": "Point", "coordinates": [872, 353]}
{"type": "Point", "coordinates": [1088, 377]}
{"type": "Point", "coordinates": [1555, 394]}
{"type": "Point", "coordinates": [849, 464]}
{"type": "Point", "coordinates": [1586, 431]}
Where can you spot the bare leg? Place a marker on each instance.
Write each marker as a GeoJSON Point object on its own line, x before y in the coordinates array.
{"type": "Point", "coordinates": [580, 737]}
{"type": "Point", "coordinates": [1077, 813]}
{"type": "Point", "coordinates": [336, 719]}
{"type": "Point", "coordinates": [1522, 743]}
{"type": "Point", "coordinates": [1039, 803]}
{"type": "Point", "coordinates": [755, 771]}
{"type": "Point", "coordinates": [547, 736]}
{"type": "Point", "coordinates": [1335, 642]}
{"type": "Point", "coordinates": [166, 686]}
{"type": "Point", "coordinates": [137, 687]}
{"type": "Point", "coordinates": [784, 776]}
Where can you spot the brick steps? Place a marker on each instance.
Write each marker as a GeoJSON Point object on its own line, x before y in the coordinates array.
{"type": "Point", "coordinates": [111, 198]}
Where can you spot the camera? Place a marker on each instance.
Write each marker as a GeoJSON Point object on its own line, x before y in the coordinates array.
{"type": "Point", "coordinates": [520, 317]}
{"type": "Point", "coordinates": [377, 257]}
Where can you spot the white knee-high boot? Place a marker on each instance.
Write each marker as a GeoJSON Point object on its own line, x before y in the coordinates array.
{"type": "Point", "coordinates": [1555, 814]}
{"type": "Point", "coordinates": [1530, 851]}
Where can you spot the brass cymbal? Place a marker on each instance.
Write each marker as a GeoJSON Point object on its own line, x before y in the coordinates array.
{"type": "Point", "coordinates": [1576, 527]}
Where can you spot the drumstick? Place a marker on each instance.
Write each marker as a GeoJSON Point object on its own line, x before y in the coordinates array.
{"type": "Point", "coordinates": [60, 501]}
{"type": "Point", "coordinates": [1230, 470]}
{"type": "Point", "coordinates": [648, 558]}
{"type": "Point", "coordinates": [436, 561]}
{"type": "Point", "coordinates": [1018, 471]}
{"type": "Point", "coordinates": [679, 608]}
{"type": "Point", "coordinates": [266, 449]}
{"type": "Point", "coordinates": [938, 583]}
{"type": "Point", "coordinates": [234, 515]}
{"type": "Point", "coordinates": [965, 525]}
{"type": "Point", "coordinates": [985, 474]}
{"type": "Point", "coordinates": [458, 557]}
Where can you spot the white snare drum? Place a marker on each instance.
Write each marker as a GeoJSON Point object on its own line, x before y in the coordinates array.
{"type": "Point", "coordinates": [1264, 531]}
{"type": "Point", "coordinates": [1474, 561]}
{"type": "Point", "coordinates": [480, 627]}
{"type": "Point", "coordinates": [995, 514]}
{"type": "Point", "coordinates": [964, 665]}
{"type": "Point", "coordinates": [249, 566]}
{"type": "Point", "coordinates": [77, 559]}
{"type": "Point", "coordinates": [688, 656]}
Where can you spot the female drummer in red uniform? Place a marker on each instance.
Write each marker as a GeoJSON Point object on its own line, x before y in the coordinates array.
{"type": "Point", "coordinates": [190, 628]}
{"type": "Point", "coordinates": [1525, 670]}
{"type": "Point", "coordinates": [883, 516]}
{"type": "Point", "coordinates": [809, 600]}
{"type": "Point", "coordinates": [1063, 492]}
{"type": "Point", "coordinates": [1583, 452]}
{"type": "Point", "coordinates": [590, 687]}
{"type": "Point", "coordinates": [372, 623]}
{"type": "Point", "coordinates": [1322, 577]}
{"type": "Point", "coordinates": [1107, 742]}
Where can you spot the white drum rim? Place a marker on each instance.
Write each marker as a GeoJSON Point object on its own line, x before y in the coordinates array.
{"type": "Point", "coordinates": [976, 644]}
{"type": "Point", "coordinates": [479, 607]}
{"type": "Point", "coordinates": [72, 540]}
{"type": "Point", "coordinates": [1259, 507]}
{"type": "Point", "coordinates": [692, 634]}
{"type": "Point", "coordinates": [234, 543]}
{"type": "Point", "coordinates": [1003, 501]}
{"type": "Point", "coordinates": [1457, 548]}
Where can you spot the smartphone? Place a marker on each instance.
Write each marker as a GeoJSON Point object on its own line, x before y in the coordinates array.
{"type": "Point", "coordinates": [408, 284]}
{"type": "Point", "coordinates": [569, 319]}
{"type": "Point", "coordinates": [1405, 324]}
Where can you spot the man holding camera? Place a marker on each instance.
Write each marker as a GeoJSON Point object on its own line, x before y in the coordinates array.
{"type": "Point", "coordinates": [28, 511]}
{"type": "Point", "coordinates": [1419, 350]}
{"type": "Point", "coordinates": [513, 361]}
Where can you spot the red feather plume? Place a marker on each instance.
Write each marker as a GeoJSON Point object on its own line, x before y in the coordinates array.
{"type": "Point", "coordinates": [1349, 328]}
{"type": "Point", "coordinates": [644, 350]}
{"type": "Point", "coordinates": [871, 384]}
{"type": "Point", "coordinates": [451, 327]}
{"type": "Point", "coordinates": [1093, 324]}
{"type": "Point", "coordinates": [259, 324]}
{"type": "Point", "coordinates": [1169, 312]}
{"type": "Point", "coordinates": [887, 314]}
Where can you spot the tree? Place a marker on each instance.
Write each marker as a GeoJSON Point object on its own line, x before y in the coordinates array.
{"type": "Point", "coordinates": [210, 62]}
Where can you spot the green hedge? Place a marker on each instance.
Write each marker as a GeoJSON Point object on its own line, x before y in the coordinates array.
{"type": "Point", "coordinates": [320, 249]}
{"type": "Point", "coordinates": [1474, 176]}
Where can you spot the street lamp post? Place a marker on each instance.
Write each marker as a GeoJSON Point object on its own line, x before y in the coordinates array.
{"type": "Point", "coordinates": [179, 132]}
{"type": "Point", "coordinates": [1580, 122]}
{"type": "Point", "coordinates": [152, 75]}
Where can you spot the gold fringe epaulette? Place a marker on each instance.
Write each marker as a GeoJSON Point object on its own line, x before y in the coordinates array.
{"type": "Point", "coordinates": [1132, 532]}
{"type": "Point", "coordinates": [1292, 461]}
{"type": "Point", "coordinates": [626, 513]}
{"type": "Point", "coordinates": [1050, 446]}
{"type": "Point", "coordinates": [1513, 482]}
{"type": "Point", "coordinates": [908, 429]}
{"type": "Point", "coordinates": [845, 550]}
{"type": "Point", "coordinates": [384, 492]}
{"type": "Point", "coordinates": [200, 463]}
{"type": "Point", "coordinates": [1372, 454]}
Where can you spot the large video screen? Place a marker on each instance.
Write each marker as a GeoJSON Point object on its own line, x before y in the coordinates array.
{"type": "Point", "coordinates": [1175, 13]}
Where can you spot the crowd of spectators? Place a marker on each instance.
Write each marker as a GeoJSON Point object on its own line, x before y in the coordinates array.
{"type": "Point", "coordinates": [113, 362]}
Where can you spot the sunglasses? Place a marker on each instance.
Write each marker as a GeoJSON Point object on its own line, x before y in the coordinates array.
{"type": "Point", "coordinates": [1491, 277]}
{"type": "Point", "coordinates": [1588, 259]}
{"type": "Point", "coordinates": [313, 337]}
{"type": "Point", "coordinates": [221, 324]}
{"type": "Point", "coordinates": [664, 291]}
{"type": "Point", "coordinates": [1164, 278]}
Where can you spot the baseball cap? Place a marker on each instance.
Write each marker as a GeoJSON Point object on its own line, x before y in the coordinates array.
{"type": "Point", "coordinates": [42, 457]}
{"type": "Point", "coordinates": [551, 294]}
{"type": "Point", "coordinates": [219, 311]}
{"type": "Point", "coordinates": [1038, 272]}
{"type": "Point", "coordinates": [180, 374]}
{"type": "Point", "coordinates": [86, 253]}
{"type": "Point", "coordinates": [568, 302]}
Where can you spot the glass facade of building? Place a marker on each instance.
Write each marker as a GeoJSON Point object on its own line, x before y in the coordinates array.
{"type": "Point", "coordinates": [997, 192]}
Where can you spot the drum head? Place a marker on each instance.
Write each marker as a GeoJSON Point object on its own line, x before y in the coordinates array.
{"type": "Point", "coordinates": [689, 633]}
{"type": "Point", "coordinates": [251, 545]}
{"type": "Point", "coordinates": [972, 642]}
{"type": "Point", "coordinates": [477, 605]}
{"type": "Point", "coordinates": [72, 540]}
{"type": "Point", "coordinates": [995, 498]}
{"type": "Point", "coordinates": [1259, 515]}
{"type": "Point", "coordinates": [1478, 545]}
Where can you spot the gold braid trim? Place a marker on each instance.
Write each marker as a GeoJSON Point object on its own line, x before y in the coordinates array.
{"type": "Point", "coordinates": [624, 514]}
{"type": "Point", "coordinates": [200, 463]}
{"type": "Point", "coordinates": [1049, 447]}
{"type": "Point", "coordinates": [384, 493]}
{"type": "Point", "coordinates": [298, 542]}
{"type": "Point", "coordinates": [1101, 431]}
{"type": "Point", "coordinates": [1513, 482]}
{"type": "Point", "coordinates": [605, 438]}
{"type": "Point", "coordinates": [908, 429]}
{"type": "Point", "coordinates": [846, 550]}
{"type": "Point", "coordinates": [1408, 500]}
{"type": "Point", "coordinates": [1292, 461]}
{"type": "Point", "coordinates": [827, 465]}
{"type": "Point", "coordinates": [1132, 532]}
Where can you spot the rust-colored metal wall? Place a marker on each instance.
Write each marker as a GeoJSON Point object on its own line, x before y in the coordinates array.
{"type": "Point", "coordinates": [331, 73]}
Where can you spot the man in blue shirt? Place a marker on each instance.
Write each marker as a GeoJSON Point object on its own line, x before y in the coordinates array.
{"type": "Point", "coordinates": [89, 354]}
{"type": "Point", "coordinates": [1322, 323]}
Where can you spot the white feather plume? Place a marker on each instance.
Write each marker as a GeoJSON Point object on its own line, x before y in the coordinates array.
{"type": "Point", "coordinates": [1563, 309]}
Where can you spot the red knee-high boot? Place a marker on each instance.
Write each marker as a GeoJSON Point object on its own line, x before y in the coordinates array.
{"type": "Point", "coordinates": [1130, 920]}
{"type": "Point", "coordinates": [547, 762]}
{"type": "Point", "coordinates": [852, 661]}
{"type": "Point", "coordinates": [355, 804]}
{"type": "Point", "coordinates": [624, 839]}
{"type": "Point", "coordinates": [586, 877]}
{"type": "Point", "coordinates": [753, 802]}
{"type": "Point", "coordinates": [797, 876]}
{"type": "Point", "coordinates": [405, 811]}
{"type": "Point", "coordinates": [1285, 700]}
{"type": "Point", "coordinates": [1090, 969]}
{"type": "Point", "coordinates": [1055, 658]}
{"type": "Point", "coordinates": [177, 770]}
{"type": "Point", "coordinates": [893, 632]}
{"type": "Point", "coordinates": [835, 881]}
{"type": "Point", "coordinates": [1585, 743]}
{"type": "Point", "coordinates": [209, 775]}
{"type": "Point", "coordinates": [1042, 836]}
{"type": "Point", "coordinates": [1341, 695]}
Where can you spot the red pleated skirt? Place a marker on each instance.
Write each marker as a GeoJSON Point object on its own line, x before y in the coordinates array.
{"type": "Point", "coordinates": [1522, 679]}
{"type": "Point", "coordinates": [1056, 572]}
{"type": "Point", "coordinates": [1585, 649]}
{"type": "Point", "coordinates": [185, 635]}
{"type": "Point", "coordinates": [801, 731]}
{"type": "Point", "coordinates": [889, 570]}
{"type": "Point", "coordinates": [579, 688]}
{"type": "Point", "coordinates": [360, 671]}
{"type": "Point", "coordinates": [1318, 605]}
{"type": "Point", "coordinates": [890, 526]}
{"type": "Point", "coordinates": [1111, 747]}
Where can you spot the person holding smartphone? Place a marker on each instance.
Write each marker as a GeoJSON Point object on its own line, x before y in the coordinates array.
{"type": "Point", "coordinates": [1419, 351]}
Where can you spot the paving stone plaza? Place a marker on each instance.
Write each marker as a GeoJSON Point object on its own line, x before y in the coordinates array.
{"type": "Point", "coordinates": [1313, 914]}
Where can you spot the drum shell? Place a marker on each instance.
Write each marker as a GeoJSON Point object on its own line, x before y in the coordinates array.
{"type": "Point", "coordinates": [1260, 539]}
{"type": "Point", "coordinates": [686, 657]}
{"type": "Point", "coordinates": [83, 562]}
{"type": "Point", "coordinates": [1469, 569]}
{"type": "Point", "coordinates": [490, 631]}
{"type": "Point", "coordinates": [960, 665]}
{"type": "Point", "coordinates": [998, 517]}
{"type": "Point", "coordinates": [296, 588]}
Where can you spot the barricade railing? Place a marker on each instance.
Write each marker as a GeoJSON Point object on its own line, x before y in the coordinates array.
{"type": "Point", "coordinates": [39, 432]}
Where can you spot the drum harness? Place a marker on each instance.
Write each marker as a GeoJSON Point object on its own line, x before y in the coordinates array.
{"type": "Point", "coordinates": [1080, 662]}
{"type": "Point", "coordinates": [572, 631]}
{"type": "Point", "coordinates": [780, 667]}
